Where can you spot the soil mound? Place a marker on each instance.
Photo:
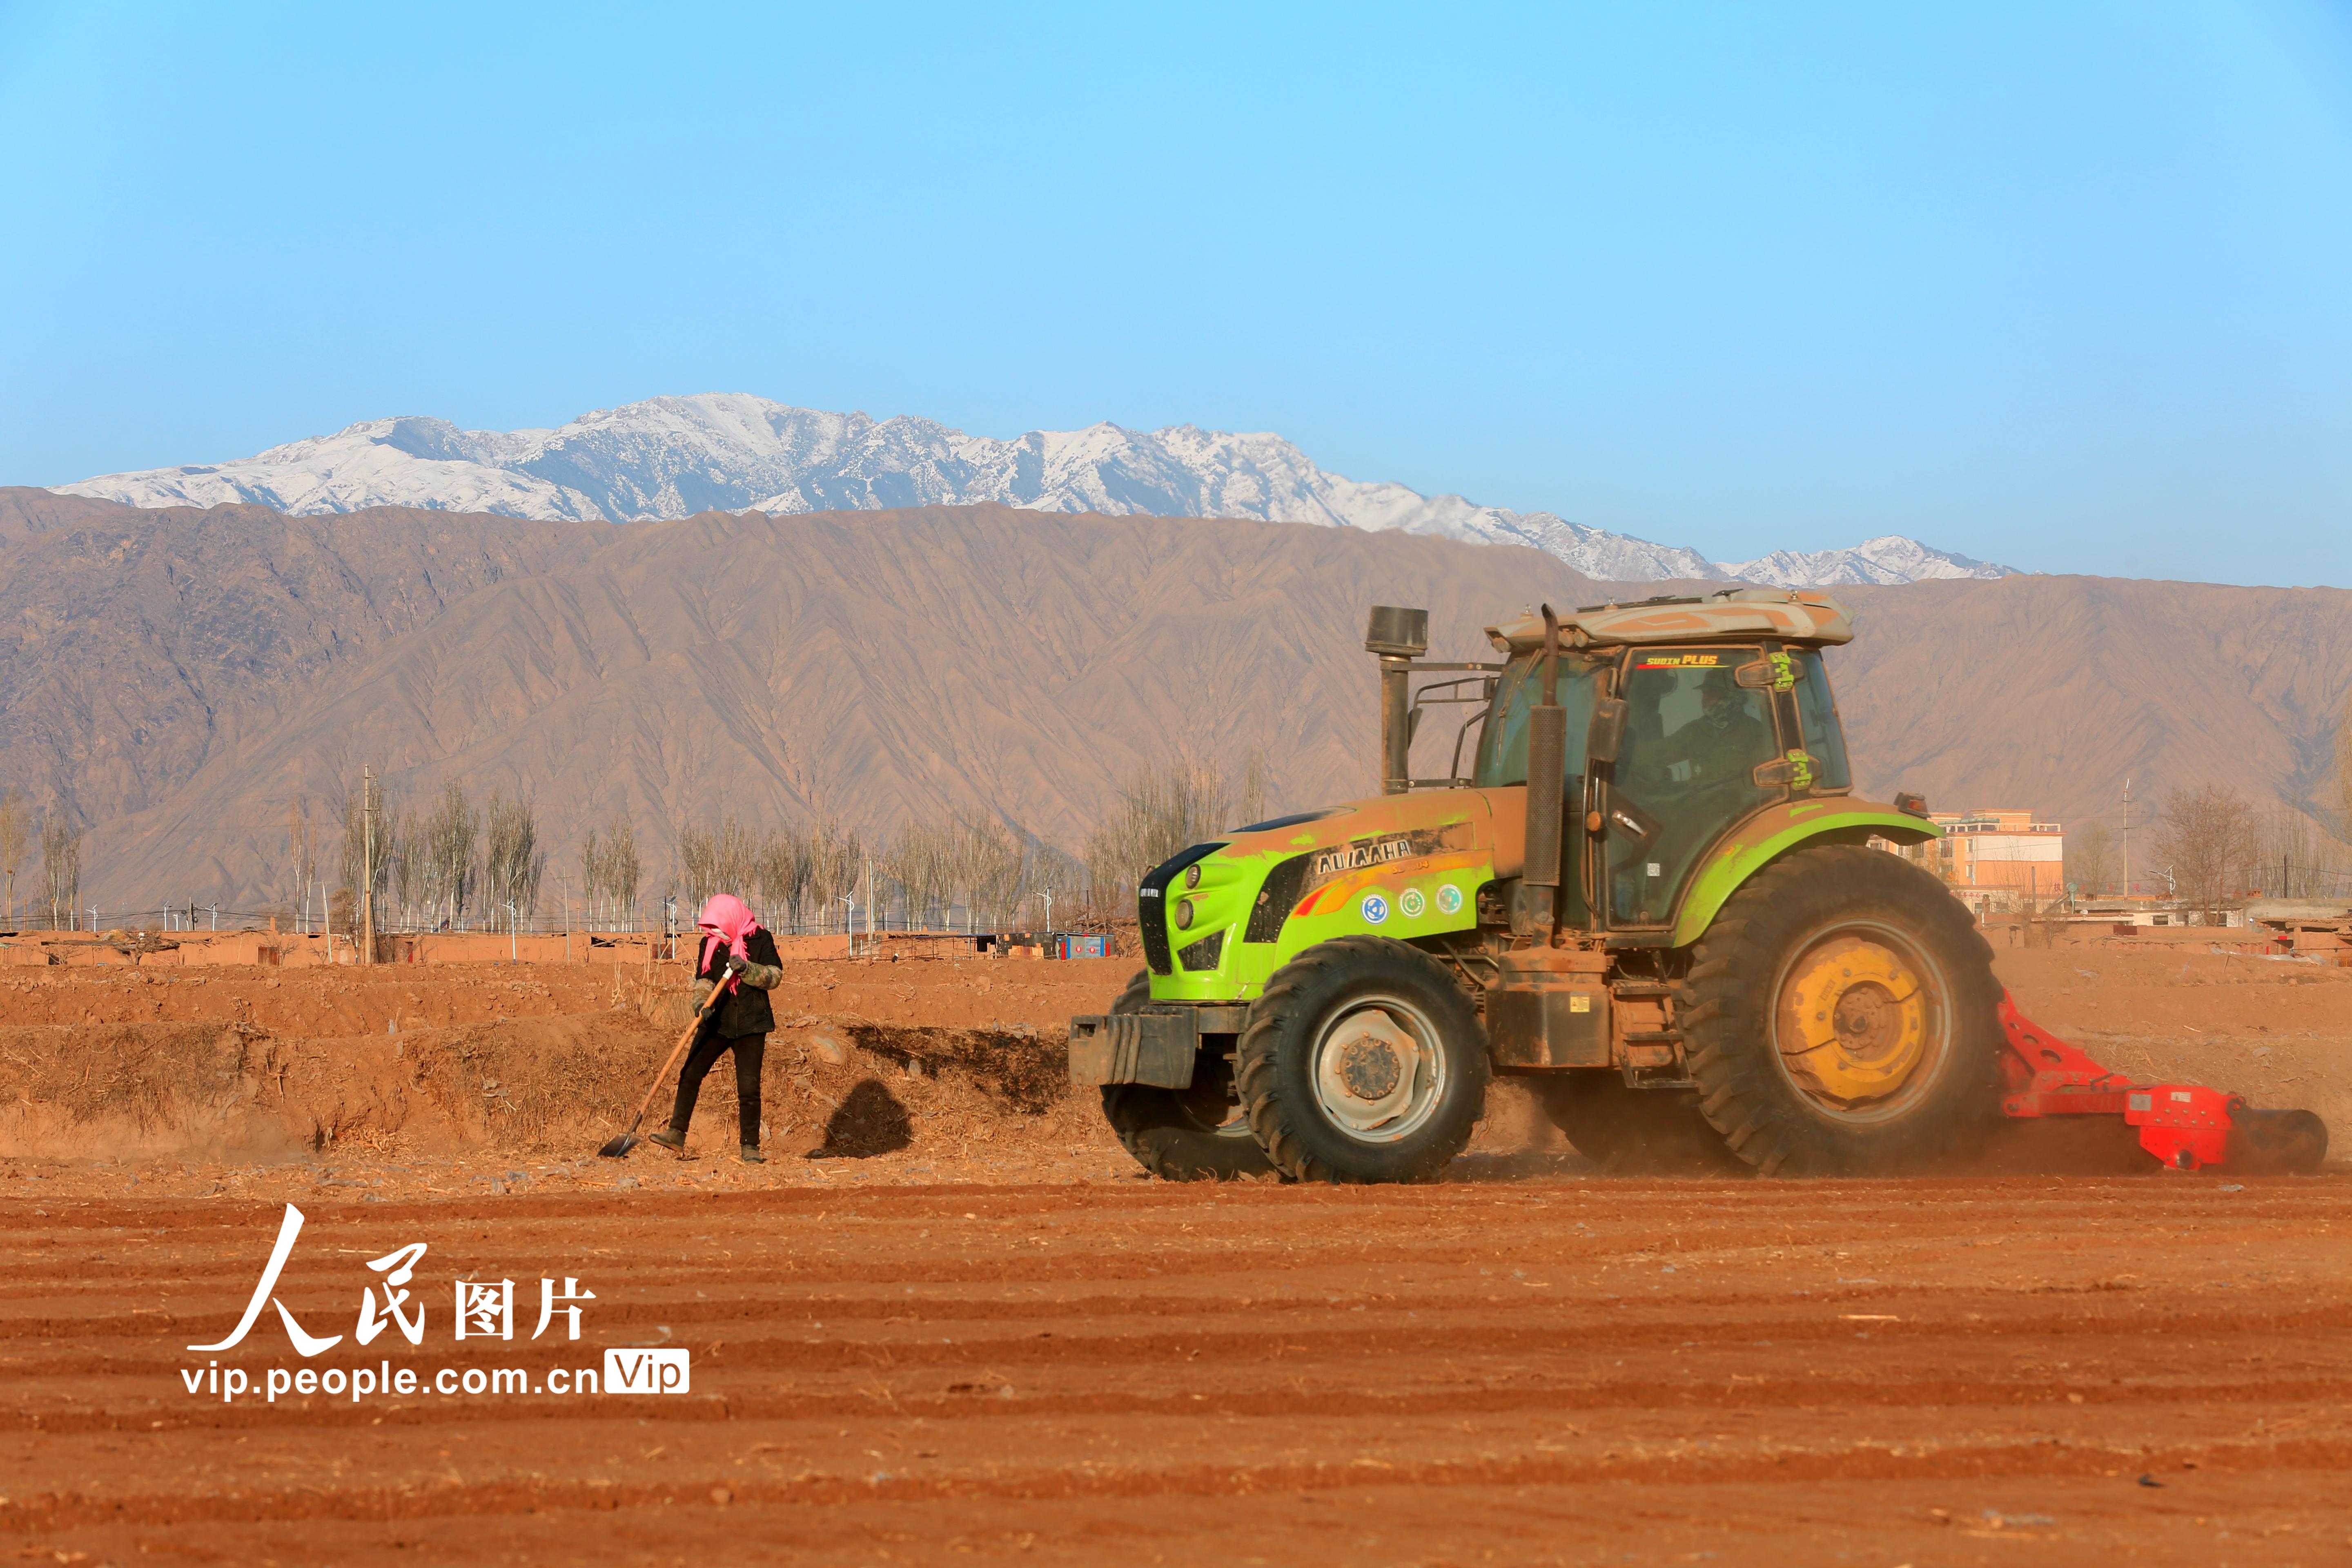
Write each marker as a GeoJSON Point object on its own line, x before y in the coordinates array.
{"type": "Point", "coordinates": [848, 1085]}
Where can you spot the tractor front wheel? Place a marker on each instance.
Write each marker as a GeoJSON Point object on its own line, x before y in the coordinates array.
{"type": "Point", "coordinates": [1195, 1134]}
{"type": "Point", "coordinates": [1363, 1062]}
{"type": "Point", "coordinates": [1841, 1018]}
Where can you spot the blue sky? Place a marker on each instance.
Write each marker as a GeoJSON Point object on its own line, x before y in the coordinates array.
{"type": "Point", "coordinates": [2067, 286]}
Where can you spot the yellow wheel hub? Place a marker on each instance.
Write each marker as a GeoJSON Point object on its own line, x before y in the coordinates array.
{"type": "Point", "coordinates": [1853, 1022]}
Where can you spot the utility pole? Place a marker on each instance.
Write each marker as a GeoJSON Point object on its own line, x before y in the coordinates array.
{"type": "Point", "coordinates": [367, 867]}
{"type": "Point", "coordinates": [2127, 806]}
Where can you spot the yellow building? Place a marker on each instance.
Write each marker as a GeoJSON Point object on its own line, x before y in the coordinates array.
{"type": "Point", "coordinates": [2001, 849]}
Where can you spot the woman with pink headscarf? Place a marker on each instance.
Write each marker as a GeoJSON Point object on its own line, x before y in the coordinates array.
{"type": "Point", "coordinates": [739, 956]}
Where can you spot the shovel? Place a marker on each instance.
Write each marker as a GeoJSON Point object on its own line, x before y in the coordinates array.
{"type": "Point", "coordinates": [627, 1140]}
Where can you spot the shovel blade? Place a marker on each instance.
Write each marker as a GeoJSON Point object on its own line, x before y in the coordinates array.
{"type": "Point", "coordinates": [619, 1147]}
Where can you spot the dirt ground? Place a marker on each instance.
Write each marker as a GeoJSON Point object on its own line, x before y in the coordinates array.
{"type": "Point", "coordinates": [971, 1327]}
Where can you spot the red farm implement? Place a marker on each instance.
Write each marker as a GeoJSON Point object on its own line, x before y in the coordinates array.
{"type": "Point", "coordinates": [2185, 1127]}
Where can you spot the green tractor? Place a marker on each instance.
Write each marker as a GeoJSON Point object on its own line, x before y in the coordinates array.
{"type": "Point", "coordinates": [1652, 898]}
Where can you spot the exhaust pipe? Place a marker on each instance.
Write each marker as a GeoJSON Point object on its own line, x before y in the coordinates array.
{"type": "Point", "coordinates": [1538, 911]}
{"type": "Point", "coordinates": [1399, 635]}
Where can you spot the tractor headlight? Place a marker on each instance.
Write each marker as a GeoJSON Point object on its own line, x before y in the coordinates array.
{"type": "Point", "coordinates": [1192, 875]}
{"type": "Point", "coordinates": [1184, 914]}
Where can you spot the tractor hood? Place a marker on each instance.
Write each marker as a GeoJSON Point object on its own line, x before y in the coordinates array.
{"type": "Point", "coordinates": [1390, 827]}
{"type": "Point", "coordinates": [1218, 918]}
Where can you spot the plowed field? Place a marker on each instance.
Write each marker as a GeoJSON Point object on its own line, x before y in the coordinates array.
{"type": "Point", "coordinates": [1549, 1370]}
{"type": "Point", "coordinates": [988, 1337]}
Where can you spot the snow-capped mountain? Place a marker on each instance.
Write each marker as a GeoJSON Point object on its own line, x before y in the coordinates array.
{"type": "Point", "coordinates": [673, 456]}
{"type": "Point", "coordinates": [1889, 558]}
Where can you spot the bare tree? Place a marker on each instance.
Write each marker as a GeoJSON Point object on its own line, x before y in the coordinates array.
{"type": "Point", "coordinates": [512, 863]}
{"type": "Point", "coordinates": [715, 860]}
{"type": "Point", "coordinates": [593, 896]}
{"type": "Point", "coordinates": [623, 870]}
{"type": "Point", "coordinates": [1053, 883]}
{"type": "Point", "coordinates": [447, 838]}
{"type": "Point", "coordinates": [697, 860]}
{"type": "Point", "coordinates": [13, 826]}
{"type": "Point", "coordinates": [397, 852]}
{"type": "Point", "coordinates": [61, 871]}
{"type": "Point", "coordinates": [2091, 857]}
{"type": "Point", "coordinates": [1162, 808]}
{"type": "Point", "coordinates": [738, 859]}
{"type": "Point", "coordinates": [2338, 806]}
{"type": "Point", "coordinates": [301, 859]}
{"type": "Point", "coordinates": [2205, 842]}
{"type": "Point", "coordinates": [936, 864]}
{"type": "Point", "coordinates": [833, 855]}
{"type": "Point", "coordinates": [351, 863]}
{"type": "Point", "coordinates": [991, 858]}
{"type": "Point", "coordinates": [610, 871]}
{"type": "Point", "coordinates": [943, 872]}
{"type": "Point", "coordinates": [2293, 858]}
{"type": "Point", "coordinates": [898, 872]}
{"type": "Point", "coordinates": [1251, 807]}
{"type": "Point", "coordinates": [781, 873]}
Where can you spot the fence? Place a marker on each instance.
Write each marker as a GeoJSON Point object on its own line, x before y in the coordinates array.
{"type": "Point", "coordinates": [173, 919]}
{"type": "Point", "coordinates": [152, 948]}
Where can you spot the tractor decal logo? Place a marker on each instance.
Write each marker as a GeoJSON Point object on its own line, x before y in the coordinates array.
{"type": "Point", "coordinates": [1449, 899]}
{"type": "Point", "coordinates": [1679, 661]}
{"type": "Point", "coordinates": [1410, 904]}
{"type": "Point", "coordinates": [1357, 856]}
{"type": "Point", "coordinates": [1376, 908]}
{"type": "Point", "coordinates": [1383, 849]}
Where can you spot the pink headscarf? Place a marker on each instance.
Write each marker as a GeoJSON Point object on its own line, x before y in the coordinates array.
{"type": "Point", "coordinates": [727, 918]}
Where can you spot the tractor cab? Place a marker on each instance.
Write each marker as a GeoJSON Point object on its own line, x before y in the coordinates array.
{"type": "Point", "coordinates": [1678, 720]}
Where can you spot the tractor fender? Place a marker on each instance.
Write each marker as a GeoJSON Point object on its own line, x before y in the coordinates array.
{"type": "Point", "coordinates": [1775, 831]}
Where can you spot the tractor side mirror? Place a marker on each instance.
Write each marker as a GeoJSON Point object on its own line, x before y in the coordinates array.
{"type": "Point", "coordinates": [1773, 672]}
{"type": "Point", "coordinates": [1606, 733]}
{"type": "Point", "coordinates": [1794, 771]}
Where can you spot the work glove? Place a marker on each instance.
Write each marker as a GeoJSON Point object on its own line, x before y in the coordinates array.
{"type": "Point", "coordinates": [735, 964]}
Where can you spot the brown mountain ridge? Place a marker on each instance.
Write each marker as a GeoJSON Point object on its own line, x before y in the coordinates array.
{"type": "Point", "coordinates": [171, 678]}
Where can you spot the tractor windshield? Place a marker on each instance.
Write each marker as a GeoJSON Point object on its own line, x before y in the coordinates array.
{"type": "Point", "coordinates": [1503, 745]}
{"type": "Point", "coordinates": [1825, 739]}
{"type": "Point", "coordinates": [1694, 738]}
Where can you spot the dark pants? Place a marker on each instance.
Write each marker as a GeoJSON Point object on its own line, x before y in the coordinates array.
{"type": "Point", "coordinates": [750, 1051]}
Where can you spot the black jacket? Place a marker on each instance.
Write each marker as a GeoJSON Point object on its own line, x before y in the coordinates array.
{"type": "Point", "coordinates": [746, 1010]}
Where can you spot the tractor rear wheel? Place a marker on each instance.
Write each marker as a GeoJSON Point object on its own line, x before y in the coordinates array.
{"type": "Point", "coordinates": [1195, 1134]}
{"type": "Point", "coordinates": [1840, 1018]}
{"type": "Point", "coordinates": [1363, 1062]}
{"type": "Point", "coordinates": [1635, 1131]}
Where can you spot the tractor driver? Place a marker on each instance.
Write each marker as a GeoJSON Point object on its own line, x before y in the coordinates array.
{"type": "Point", "coordinates": [1692, 774]}
{"type": "Point", "coordinates": [1722, 745]}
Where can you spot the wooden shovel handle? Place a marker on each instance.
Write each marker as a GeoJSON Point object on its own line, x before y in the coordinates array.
{"type": "Point", "coordinates": [701, 1015]}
